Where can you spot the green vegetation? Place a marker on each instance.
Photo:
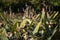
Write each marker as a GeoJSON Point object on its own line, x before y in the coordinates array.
{"type": "Point", "coordinates": [37, 21]}
{"type": "Point", "coordinates": [41, 26]}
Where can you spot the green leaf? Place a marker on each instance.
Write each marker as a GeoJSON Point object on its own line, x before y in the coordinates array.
{"type": "Point", "coordinates": [37, 27]}
{"type": "Point", "coordinates": [54, 31]}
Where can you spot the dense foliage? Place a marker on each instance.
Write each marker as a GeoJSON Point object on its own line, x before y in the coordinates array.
{"type": "Point", "coordinates": [35, 20]}
{"type": "Point", "coordinates": [42, 26]}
